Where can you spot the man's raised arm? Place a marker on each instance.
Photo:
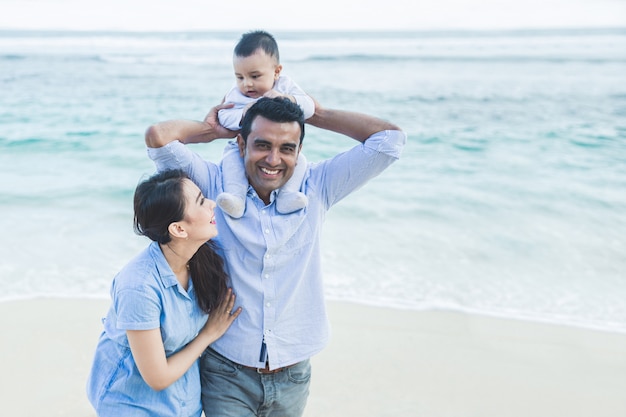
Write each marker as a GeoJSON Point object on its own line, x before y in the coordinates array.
{"type": "Point", "coordinates": [355, 125]}
{"type": "Point", "coordinates": [188, 131]}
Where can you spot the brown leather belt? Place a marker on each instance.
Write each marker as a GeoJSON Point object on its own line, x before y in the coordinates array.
{"type": "Point", "coordinates": [266, 370]}
{"type": "Point", "coordinates": [263, 371]}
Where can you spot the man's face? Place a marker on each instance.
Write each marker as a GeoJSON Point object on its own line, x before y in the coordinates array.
{"type": "Point", "coordinates": [270, 154]}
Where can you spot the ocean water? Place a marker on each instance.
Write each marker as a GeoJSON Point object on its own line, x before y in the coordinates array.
{"type": "Point", "coordinates": [509, 199]}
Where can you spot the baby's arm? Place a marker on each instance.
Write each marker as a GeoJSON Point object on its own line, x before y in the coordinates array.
{"type": "Point", "coordinates": [231, 118]}
{"type": "Point", "coordinates": [287, 87]}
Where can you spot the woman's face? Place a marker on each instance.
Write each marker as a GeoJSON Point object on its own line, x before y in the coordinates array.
{"type": "Point", "coordinates": [199, 213]}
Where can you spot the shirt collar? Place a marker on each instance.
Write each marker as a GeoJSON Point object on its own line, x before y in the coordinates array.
{"type": "Point", "coordinates": [252, 193]}
{"type": "Point", "coordinates": [168, 279]}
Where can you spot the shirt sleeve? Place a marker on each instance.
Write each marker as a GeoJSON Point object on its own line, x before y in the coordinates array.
{"type": "Point", "coordinates": [348, 171]}
{"type": "Point", "coordinates": [286, 85]}
{"type": "Point", "coordinates": [137, 309]}
{"type": "Point", "coordinates": [176, 155]}
{"type": "Point", "coordinates": [388, 142]}
{"type": "Point", "coordinates": [231, 118]}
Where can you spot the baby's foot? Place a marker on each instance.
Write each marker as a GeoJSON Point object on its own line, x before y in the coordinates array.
{"type": "Point", "coordinates": [231, 204]}
{"type": "Point", "coordinates": [288, 202]}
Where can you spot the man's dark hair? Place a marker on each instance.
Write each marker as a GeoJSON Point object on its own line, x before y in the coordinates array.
{"type": "Point", "coordinates": [251, 41]}
{"type": "Point", "coordinates": [277, 109]}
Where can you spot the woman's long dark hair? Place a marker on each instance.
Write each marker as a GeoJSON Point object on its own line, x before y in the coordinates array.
{"type": "Point", "coordinates": [159, 201]}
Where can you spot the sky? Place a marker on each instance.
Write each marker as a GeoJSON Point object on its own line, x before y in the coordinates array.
{"type": "Point", "coordinates": [208, 15]}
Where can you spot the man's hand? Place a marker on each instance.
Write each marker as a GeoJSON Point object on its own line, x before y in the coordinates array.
{"type": "Point", "coordinates": [219, 131]}
{"type": "Point", "coordinates": [189, 131]}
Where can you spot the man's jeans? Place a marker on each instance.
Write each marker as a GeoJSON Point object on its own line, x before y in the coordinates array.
{"type": "Point", "coordinates": [233, 390]}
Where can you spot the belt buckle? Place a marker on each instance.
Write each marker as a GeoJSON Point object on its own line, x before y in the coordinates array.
{"type": "Point", "coordinates": [264, 371]}
{"type": "Point", "coordinates": [267, 370]}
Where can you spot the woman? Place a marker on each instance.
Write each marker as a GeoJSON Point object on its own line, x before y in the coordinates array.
{"type": "Point", "coordinates": [146, 361]}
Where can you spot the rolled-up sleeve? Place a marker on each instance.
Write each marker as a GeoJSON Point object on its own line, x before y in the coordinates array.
{"type": "Point", "coordinates": [346, 172]}
{"type": "Point", "coordinates": [174, 155]}
{"type": "Point", "coordinates": [390, 142]}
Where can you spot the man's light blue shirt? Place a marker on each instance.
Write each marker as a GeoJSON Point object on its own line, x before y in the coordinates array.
{"type": "Point", "coordinates": [274, 259]}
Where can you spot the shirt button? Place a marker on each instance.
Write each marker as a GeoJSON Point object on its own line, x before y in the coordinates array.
{"type": "Point", "coordinates": [266, 276]}
{"type": "Point", "coordinates": [267, 256]}
{"type": "Point", "coordinates": [267, 231]}
{"type": "Point", "coordinates": [268, 304]}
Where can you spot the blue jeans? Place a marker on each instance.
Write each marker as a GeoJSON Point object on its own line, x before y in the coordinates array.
{"type": "Point", "coordinates": [232, 390]}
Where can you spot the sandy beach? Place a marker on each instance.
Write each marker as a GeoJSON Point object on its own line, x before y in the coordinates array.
{"type": "Point", "coordinates": [381, 362]}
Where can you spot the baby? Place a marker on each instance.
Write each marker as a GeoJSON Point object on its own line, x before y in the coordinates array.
{"type": "Point", "coordinates": [257, 68]}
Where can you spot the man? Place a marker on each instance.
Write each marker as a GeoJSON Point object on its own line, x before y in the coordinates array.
{"type": "Point", "coordinates": [261, 365]}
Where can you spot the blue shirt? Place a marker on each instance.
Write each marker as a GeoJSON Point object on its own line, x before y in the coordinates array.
{"type": "Point", "coordinates": [273, 259]}
{"type": "Point", "coordinates": [145, 295]}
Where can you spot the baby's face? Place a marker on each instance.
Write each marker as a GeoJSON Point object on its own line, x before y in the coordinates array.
{"type": "Point", "coordinates": [256, 73]}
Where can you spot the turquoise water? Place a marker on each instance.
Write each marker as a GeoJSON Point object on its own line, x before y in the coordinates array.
{"type": "Point", "coordinates": [509, 200]}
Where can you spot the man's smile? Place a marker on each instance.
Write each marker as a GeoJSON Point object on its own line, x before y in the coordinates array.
{"type": "Point", "coordinates": [268, 171]}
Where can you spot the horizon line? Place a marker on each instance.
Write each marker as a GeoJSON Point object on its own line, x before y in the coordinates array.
{"type": "Point", "coordinates": [322, 30]}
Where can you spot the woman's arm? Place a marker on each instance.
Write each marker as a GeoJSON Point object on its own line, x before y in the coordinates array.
{"type": "Point", "coordinates": [160, 371]}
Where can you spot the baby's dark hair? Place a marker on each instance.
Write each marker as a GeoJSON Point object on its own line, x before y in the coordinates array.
{"type": "Point", "coordinates": [160, 201]}
{"type": "Point", "coordinates": [251, 41]}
